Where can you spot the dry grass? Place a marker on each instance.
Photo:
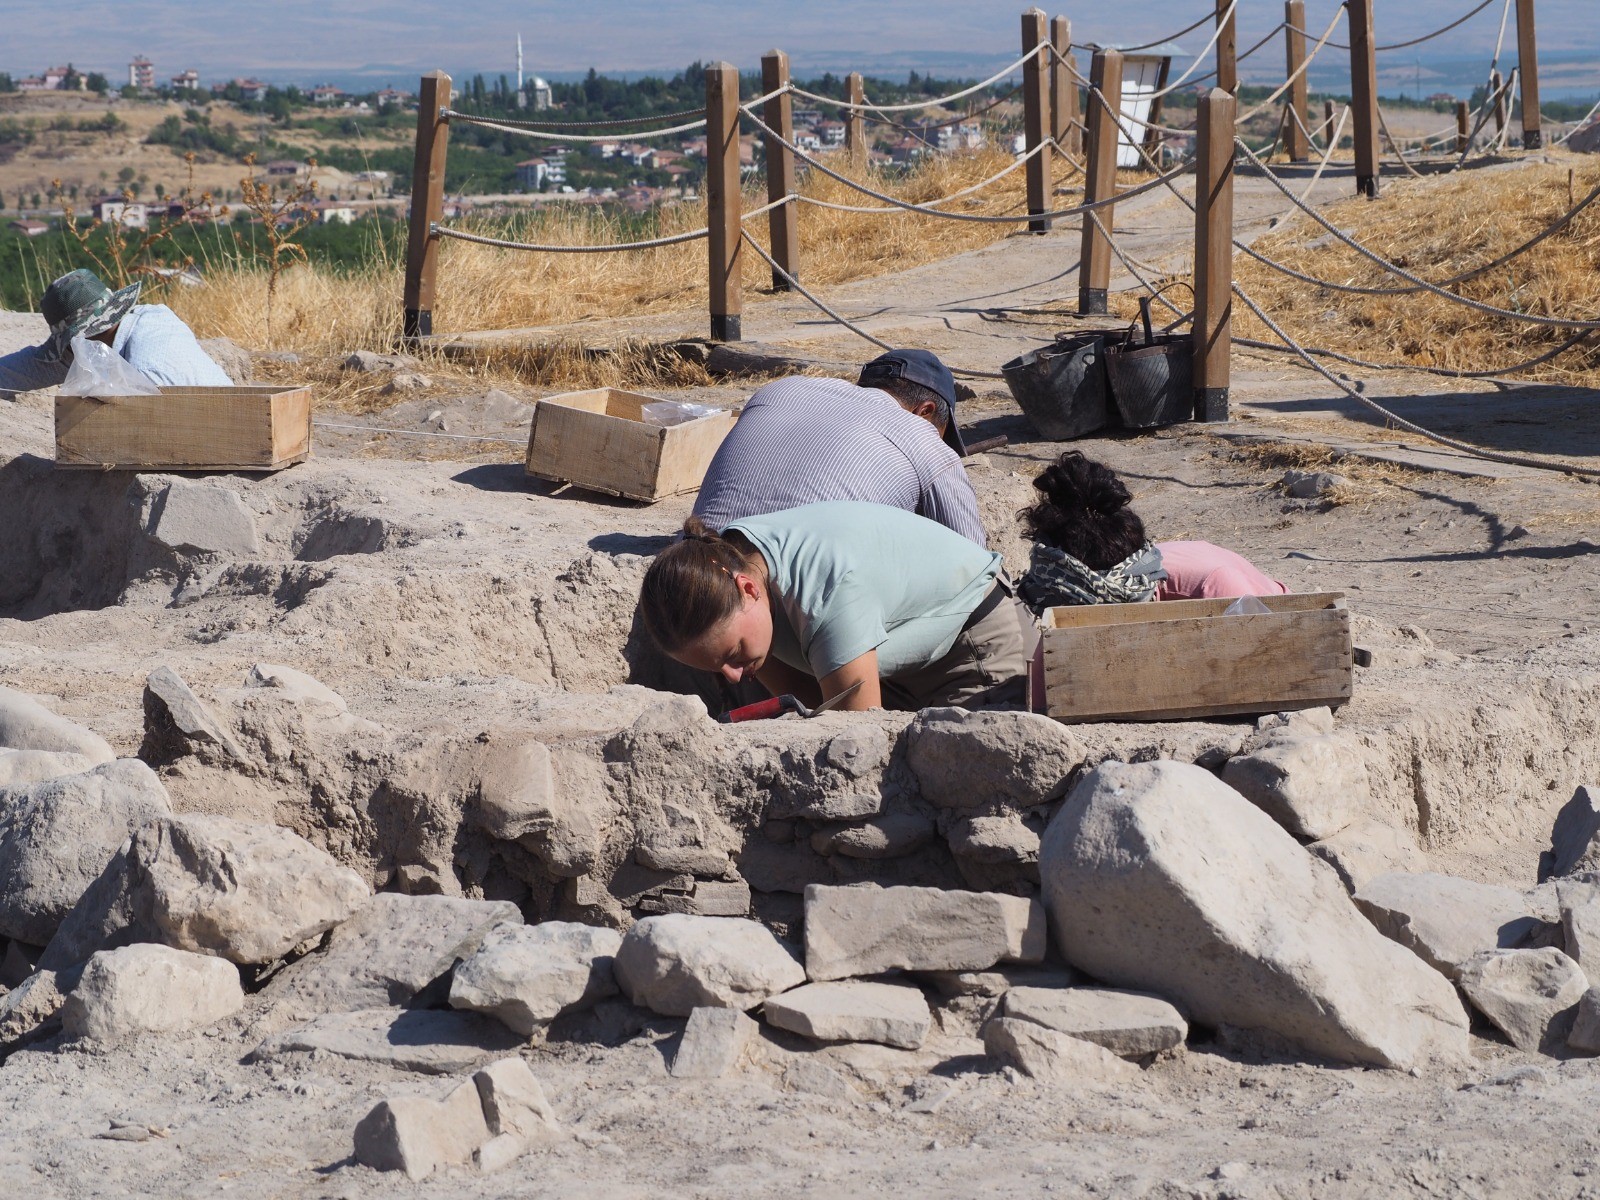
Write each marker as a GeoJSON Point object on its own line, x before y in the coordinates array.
{"type": "Point", "coordinates": [1366, 481]}
{"type": "Point", "coordinates": [1439, 227]}
{"type": "Point", "coordinates": [481, 287]}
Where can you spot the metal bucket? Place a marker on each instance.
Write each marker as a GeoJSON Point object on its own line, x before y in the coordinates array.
{"type": "Point", "coordinates": [1061, 388]}
{"type": "Point", "coordinates": [1152, 383]}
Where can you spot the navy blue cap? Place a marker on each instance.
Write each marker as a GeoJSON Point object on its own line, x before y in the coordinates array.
{"type": "Point", "coordinates": [923, 367]}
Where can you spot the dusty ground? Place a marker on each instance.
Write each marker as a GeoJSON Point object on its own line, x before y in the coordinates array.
{"type": "Point", "coordinates": [434, 586]}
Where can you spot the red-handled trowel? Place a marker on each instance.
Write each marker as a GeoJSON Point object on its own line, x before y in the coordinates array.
{"type": "Point", "coordinates": [765, 710]}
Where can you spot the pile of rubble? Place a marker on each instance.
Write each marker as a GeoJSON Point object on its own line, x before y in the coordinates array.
{"type": "Point", "coordinates": [1128, 907]}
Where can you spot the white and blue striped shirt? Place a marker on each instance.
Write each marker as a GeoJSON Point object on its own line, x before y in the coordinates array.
{"type": "Point", "coordinates": [802, 441]}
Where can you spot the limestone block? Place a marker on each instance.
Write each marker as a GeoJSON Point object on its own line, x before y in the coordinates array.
{"type": "Point", "coordinates": [866, 930]}
{"type": "Point", "coordinates": [1531, 996]}
{"type": "Point", "coordinates": [427, 1040]}
{"type": "Point", "coordinates": [57, 836]}
{"type": "Point", "coordinates": [518, 800]}
{"type": "Point", "coordinates": [202, 518]}
{"type": "Point", "coordinates": [1575, 840]}
{"type": "Point", "coordinates": [33, 1008]}
{"type": "Point", "coordinates": [246, 892]}
{"type": "Point", "coordinates": [418, 1135]}
{"type": "Point", "coordinates": [1445, 920]}
{"type": "Point", "coordinates": [297, 685]}
{"type": "Point", "coordinates": [996, 840]}
{"type": "Point", "coordinates": [1160, 878]}
{"type": "Point", "coordinates": [150, 989]}
{"type": "Point", "coordinates": [1366, 849]}
{"type": "Point", "coordinates": [1313, 786]}
{"type": "Point", "coordinates": [178, 723]}
{"type": "Point", "coordinates": [19, 768]}
{"type": "Point", "coordinates": [963, 759]}
{"type": "Point", "coordinates": [1052, 1057]}
{"type": "Point", "coordinates": [712, 1044]}
{"type": "Point", "coordinates": [676, 963]}
{"type": "Point", "coordinates": [514, 1103]}
{"type": "Point", "coordinates": [1129, 1024]}
{"type": "Point", "coordinates": [369, 361]}
{"type": "Point", "coordinates": [1585, 1035]}
{"type": "Point", "coordinates": [25, 724]}
{"type": "Point", "coordinates": [527, 975]}
{"type": "Point", "coordinates": [853, 1011]}
{"type": "Point", "coordinates": [892, 835]}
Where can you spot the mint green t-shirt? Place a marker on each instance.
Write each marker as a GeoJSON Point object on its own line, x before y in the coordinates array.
{"type": "Point", "coordinates": [848, 577]}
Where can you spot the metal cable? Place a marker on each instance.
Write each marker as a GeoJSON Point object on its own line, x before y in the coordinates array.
{"type": "Point", "coordinates": [1515, 460]}
{"type": "Point", "coordinates": [451, 114]}
{"type": "Point", "coordinates": [1401, 272]}
{"type": "Point", "coordinates": [621, 122]}
{"type": "Point", "coordinates": [886, 108]}
{"type": "Point", "coordinates": [852, 327]}
{"type": "Point", "coordinates": [438, 230]}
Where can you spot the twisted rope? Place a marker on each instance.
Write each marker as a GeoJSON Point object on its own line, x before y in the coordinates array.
{"type": "Point", "coordinates": [972, 116]}
{"type": "Point", "coordinates": [1515, 460]}
{"type": "Point", "coordinates": [1446, 372]}
{"type": "Point", "coordinates": [966, 191]}
{"type": "Point", "coordinates": [1299, 71]}
{"type": "Point", "coordinates": [1427, 37]}
{"type": "Point", "coordinates": [437, 230]}
{"type": "Point", "coordinates": [920, 104]}
{"type": "Point", "coordinates": [450, 114]}
{"type": "Point", "coordinates": [619, 123]}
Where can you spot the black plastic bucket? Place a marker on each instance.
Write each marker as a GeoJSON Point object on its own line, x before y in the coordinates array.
{"type": "Point", "coordinates": [1152, 382]}
{"type": "Point", "coordinates": [1061, 388]}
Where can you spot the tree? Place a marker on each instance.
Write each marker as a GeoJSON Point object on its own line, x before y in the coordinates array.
{"type": "Point", "coordinates": [71, 81]}
{"type": "Point", "coordinates": [98, 83]}
{"type": "Point", "coordinates": [2, 203]}
{"type": "Point", "coordinates": [126, 176]}
{"type": "Point", "coordinates": [38, 200]}
{"type": "Point", "coordinates": [7, 84]}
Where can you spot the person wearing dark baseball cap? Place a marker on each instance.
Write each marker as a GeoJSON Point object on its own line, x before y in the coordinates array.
{"type": "Point", "coordinates": [890, 438]}
{"type": "Point", "coordinates": [149, 336]}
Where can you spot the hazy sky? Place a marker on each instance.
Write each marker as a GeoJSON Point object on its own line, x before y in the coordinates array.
{"type": "Point", "coordinates": [311, 39]}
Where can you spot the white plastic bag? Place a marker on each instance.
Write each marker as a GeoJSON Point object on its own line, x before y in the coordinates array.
{"type": "Point", "coordinates": [98, 370]}
{"type": "Point", "coordinates": [1246, 606]}
{"type": "Point", "coordinates": [675, 412]}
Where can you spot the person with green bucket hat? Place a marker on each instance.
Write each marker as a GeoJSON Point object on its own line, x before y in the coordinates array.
{"type": "Point", "coordinates": [150, 336]}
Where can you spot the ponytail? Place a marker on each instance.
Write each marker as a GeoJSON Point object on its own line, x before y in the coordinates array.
{"type": "Point", "coordinates": [1084, 512]}
{"type": "Point", "coordinates": [690, 589]}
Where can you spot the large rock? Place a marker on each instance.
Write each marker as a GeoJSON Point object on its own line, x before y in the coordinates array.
{"type": "Point", "coordinates": [19, 768]}
{"type": "Point", "coordinates": [854, 1011]}
{"type": "Point", "coordinates": [1312, 786]}
{"type": "Point", "coordinates": [245, 892]}
{"type": "Point", "coordinates": [527, 975]}
{"type": "Point", "coordinates": [1367, 849]}
{"type": "Point", "coordinates": [1160, 878]}
{"type": "Point", "coordinates": [968, 759]}
{"type": "Point", "coordinates": [25, 724]}
{"type": "Point", "coordinates": [395, 950]}
{"type": "Point", "coordinates": [418, 1135]}
{"type": "Point", "coordinates": [713, 1042]}
{"type": "Point", "coordinates": [1052, 1057]}
{"type": "Point", "coordinates": [202, 518]}
{"type": "Point", "coordinates": [56, 837]}
{"type": "Point", "coordinates": [236, 362]}
{"type": "Point", "coordinates": [296, 685]}
{"type": "Point", "coordinates": [1531, 996]}
{"type": "Point", "coordinates": [178, 723]}
{"type": "Point", "coordinates": [1446, 920]}
{"type": "Point", "coordinates": [518, 800]}
{"type": "Point", "coordinates": [866, 930]}
{"type": "Point", "coordinates": [32, 1009]}
{"type": "Point", "coordinates": [1585, 1035]}
{"type": "Point", "coordinates": [1129, 1024]}
{"type": "Point", "coordinates": [676, 963]}
{"type": "Point", "coordinates": [514, 1103]}
{"type": "Point", "coordinates": [1575, 840]}
{"type": "Point", "coordinates": [1578, 900]}
{"type": "Point", "coordinates": [409, 1039]}
{"type": "Point", "coordinates": [150, 989]}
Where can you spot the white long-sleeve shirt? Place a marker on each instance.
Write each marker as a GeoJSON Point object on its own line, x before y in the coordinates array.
{"type": "Point", "coordinates": [151, 337]}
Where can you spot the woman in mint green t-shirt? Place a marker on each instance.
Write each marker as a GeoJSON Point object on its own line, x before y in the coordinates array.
{"type": "Point", "coordinates": [816, 599]}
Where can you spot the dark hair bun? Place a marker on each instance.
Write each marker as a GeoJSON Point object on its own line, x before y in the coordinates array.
{"type": "Point", "coordinates": [1084, 512]}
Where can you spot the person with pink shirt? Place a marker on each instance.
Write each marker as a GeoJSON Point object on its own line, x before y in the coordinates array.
{"type": "Point", "coordinates": [1090, 548]}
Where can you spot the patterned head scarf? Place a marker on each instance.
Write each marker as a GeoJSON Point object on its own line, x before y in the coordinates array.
{"type": "Point", "coordinates": [80, 303]}
{"type": "Point", "coordinates": [1055, 578]}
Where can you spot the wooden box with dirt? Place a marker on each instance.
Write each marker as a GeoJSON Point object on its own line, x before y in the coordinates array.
{"type": "Point", "coordinates": [600, 440]}
{"type": "Point", "coordinates": [1184, 659]}
{"type": "Point", "coordinates": [253, 427]}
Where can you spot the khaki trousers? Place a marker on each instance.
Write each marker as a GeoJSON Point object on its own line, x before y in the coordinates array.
{"type": "Point", "coordinates": [986, 668]}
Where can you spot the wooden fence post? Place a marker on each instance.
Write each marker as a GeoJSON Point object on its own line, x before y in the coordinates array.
{"type": "Point", "coordinates": [1463, 127]}
{"type": "Point", "coordinates": [783, 222]}
{"type": "Point", "coordinates": [1227, 49]}
{"type": "Point", "coordinates": [427, 205]}
{"type": "Point", "coordinates": [1213, 255]}
{"type": "Point", "coordinates": [1528, 70]}
{"type": "Point", "coordinates": [1094, 264]}
{"type": "Point", "coordinates": [1064, 89]}
{"type": "Point", "coordinates": [1497, 90]}
{"type": "Point", "coordinates": [855, 121]}
{"type": "Point", "coordinates": [722, 201]}
{"type": "Point", "coordinates": [1036, 122]}
{"type": "Point", "coordinates": [1328, 114]}
{"type": "Point", "coordinates": [1364, 96]}
{"type": "Point", "coordinates": [1294, 18]}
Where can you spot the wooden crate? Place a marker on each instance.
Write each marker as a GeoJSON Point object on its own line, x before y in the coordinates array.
{"type": "Point", "coordinates": [599, 440]}
{"type": "Point", "coordinates": [1182, 659]}
{"type": "Point", "coordinates": [254, 427]}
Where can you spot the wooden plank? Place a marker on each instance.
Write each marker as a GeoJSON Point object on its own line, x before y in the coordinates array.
{"type": "Point", "coordinates": [1064, 115]}
{"type": "Point", "coordinates": [1528, 74]}
{"type": "Point", "coordinates": [250, 428]}
{"type": "Point", "coordinates": [1228, 47]}
{"type": "Point", "coordinates": [783, 222]}
{"type": "Point", "coordinates": [1195, 667]}
{"type": "Point", "coordinates": [1094, 263]}
{"type": "Point", "coordinates": [1294, 31]}
{"type": "Point", "coordinates": [725, 246]}
{"type": "Point", "coordinates": [1036, 114]}
{"type": "Point", "coordinates": [598, 440]}
{"type": "Point", "coordinates": [1213, 256]}
{"type": "Point", "coordinates": [1364, 96]}
{"type": "Point", "coordinates": [1079, 616]}
{"type": "Point", "coordinates": [855, 120]}
{"type": "Point", "coordinates": [427, 204]}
